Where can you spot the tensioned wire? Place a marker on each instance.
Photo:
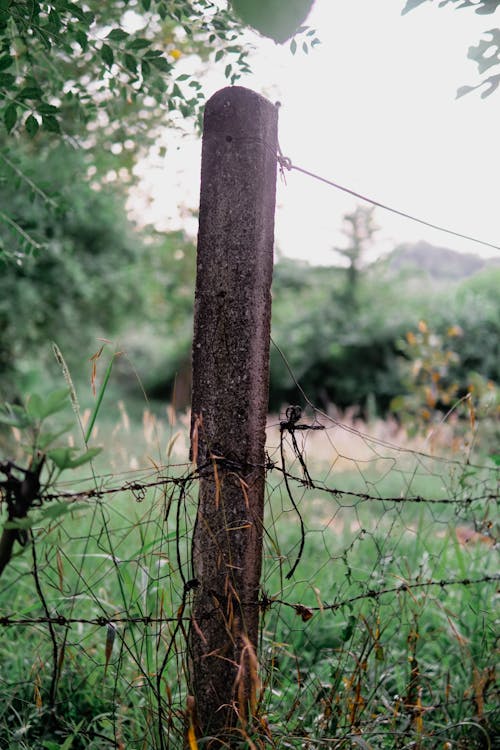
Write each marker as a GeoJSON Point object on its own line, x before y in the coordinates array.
{"type": "Point", "coordinates": [286, 163]}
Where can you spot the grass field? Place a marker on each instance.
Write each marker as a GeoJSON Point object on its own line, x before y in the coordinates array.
{"type": "Point", "coordinates": [381, 639]}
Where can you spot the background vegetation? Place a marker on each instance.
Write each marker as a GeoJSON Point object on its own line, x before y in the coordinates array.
{"type": "Point", "coordinates": [384, 639]}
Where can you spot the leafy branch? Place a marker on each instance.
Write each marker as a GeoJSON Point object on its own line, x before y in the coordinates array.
{"type": "Point", "coordinates": [23, 488]}
{"type": "Point", "coordinates": [486, 53]}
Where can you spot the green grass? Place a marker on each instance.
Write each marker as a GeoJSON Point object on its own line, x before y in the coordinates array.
{"type": "Point", "coordinates": [367, 669]}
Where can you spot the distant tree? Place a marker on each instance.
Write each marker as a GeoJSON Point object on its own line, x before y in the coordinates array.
{"type": "Point", "coordinates": [81, 284]}
{"type": "Point", "coordinates": [359, 228]}
{"type": "Point", "coordinates": [486, 53]}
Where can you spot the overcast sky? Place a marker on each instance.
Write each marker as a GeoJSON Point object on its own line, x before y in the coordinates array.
{"type": "Point", "coordinates": [373, 108]}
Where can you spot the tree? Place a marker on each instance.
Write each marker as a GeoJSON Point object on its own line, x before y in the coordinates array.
{"type": "Point", "coordinates": [105, 76]}
{"type": "Point", "coordinates": [486, 53]}
{"type": "Point", "coordinates": [359, 229]}
{"type": "Point", "coordinates": [64, 65]}
{"type": "Point", "coordinates": [80, 72]}
{"type": "Point", "coordinates": [80, 284]}
{"type": "Point", "coordinates": [84, 87]}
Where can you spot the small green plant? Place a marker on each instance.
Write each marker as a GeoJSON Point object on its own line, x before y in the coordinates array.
{"type": "Point", "coordinates": [25, 487]}
{"type": "Point", "coordinates": [437, 390]}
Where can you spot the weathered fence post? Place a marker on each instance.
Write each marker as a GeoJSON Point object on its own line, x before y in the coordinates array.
{"type": "Point", "coordinates": [230, 400]}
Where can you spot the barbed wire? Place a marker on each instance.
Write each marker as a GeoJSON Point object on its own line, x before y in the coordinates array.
{"type": "Point", "coordinates": [364, 564]}
{"type": "Point", "coordinates": [109, 587]}
{"type": "Point", "coordinates": [138, 488]}
{"type": "Point", "coordinates": [265, 603]}
{"type": "Point", "coordinates": [295, 602]}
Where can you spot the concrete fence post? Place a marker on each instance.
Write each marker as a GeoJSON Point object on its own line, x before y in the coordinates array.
{"type": "Point", "coordinates": [230, 401]}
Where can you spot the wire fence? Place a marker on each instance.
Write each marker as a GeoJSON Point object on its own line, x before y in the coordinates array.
{"type": "Point", "coordinates": [285, 163]}
{"type": "Point", "coordinates": [377, 600]}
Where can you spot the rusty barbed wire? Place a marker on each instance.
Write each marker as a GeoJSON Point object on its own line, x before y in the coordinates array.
{"type": "Point", "coordinates": [150, 632]}
{"type": "Point", "coordinates": [137, 488]}
{"type": "Point", "coordinates": [265, 604]}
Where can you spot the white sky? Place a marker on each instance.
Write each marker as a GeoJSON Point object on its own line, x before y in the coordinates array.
{"type": "Point", "coordinates": [373, 108]}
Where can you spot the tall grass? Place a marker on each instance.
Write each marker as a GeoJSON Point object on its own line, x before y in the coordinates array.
{"type": "Point", "coordinates": [343, 664]}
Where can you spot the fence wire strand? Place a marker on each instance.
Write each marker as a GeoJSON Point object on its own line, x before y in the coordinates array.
{"type": "Point", "coordinates": [366, 544]}
{"type": "Point", "coordinates": [286, 163]}
{"type": "Point", "coordinates": [380, 573]}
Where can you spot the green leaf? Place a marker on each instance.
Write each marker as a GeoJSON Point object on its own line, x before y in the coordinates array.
{"type": "Point", "coordinates": [16, 409]}
{"type": "Point", "coordinates": [82, 40]}
{"type": "Point", "coordinates": [411, 4]}
{"type": "Point", "coordinates": [139, 43]}
{"type": "Point", "coordinates": [10, 117]}
{"type": "Point", "coordinates": [158, 84]}
{"type": "Point", "coordinates": [54, 20]}
{"type": "Point", "coordinates": [153, 53]}
{"type": "Point", "coordinates": [39, 408]}
{"type": "Point", "coordinates": [273, 18]}
{"type": "Point", "coordinates": [15, 416]}
{"type": "Point", "coordinates": [7, 80]}
{"type": "Point", "coordinates": [84, 458]}
{"type": "Point", "coordinates": [51, 124]}
{"type": "Point", "coordinates": [30, 92]}
{"type": "Point", "coordinates": [487, 51]}
{"type": "Point", "coordinates": [76, 10]}
{"type": "Point", "coordinates": [6, 61]}
{"type": "Point", "coordinates": [399, 403]}
{"type": "Point", "coordinates": [46, 40]}
{"type": "Point", "coordinates": [107, 54]}
{"type": "Point", "coordinates": [117, 35]}
{"type": "Point", "coordinates": [463, 90]}
{"type": "Point", "coordinates": [31, 126]}
{"type": "Point", "coordinates": [160, 63]}
{"type": "Point", "coordinates": [219, 55]}
{"type": "Point", "coordinates": [61, 457]}
{"type": "Point", "coordinates": [34, 407]}
{"type": "Point", "coordinates": [130, 62]}
{"type": "Point", "coordinates": [293, 46]}
{"type": "Point", "coordinates": [47, 109]}
{"type": "Point", "coordinates": [100, 396]}
{"type": "Point", "coordinates": [56, 400]}
{"type": "Point", "coordinates": [349, 629]}
{"type": "Point", "coordinates": [48, 437]}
